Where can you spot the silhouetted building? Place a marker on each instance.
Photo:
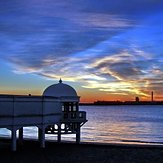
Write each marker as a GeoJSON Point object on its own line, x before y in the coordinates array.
{"type": "Point", "coordinates": [56, 112]}
{"type": "Point", "coordinates": [152, 96]}
{"type": "Point", "coordinates": [137, 99]}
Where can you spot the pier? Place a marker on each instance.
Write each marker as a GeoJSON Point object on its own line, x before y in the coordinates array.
{"type": "Point", "coordinates": [55, 112]}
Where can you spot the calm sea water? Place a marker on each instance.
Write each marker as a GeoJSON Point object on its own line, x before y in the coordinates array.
{"type": "Point", "coordinates": [124, 124]}
{"type": "Point", "coordinates": [115, 124]}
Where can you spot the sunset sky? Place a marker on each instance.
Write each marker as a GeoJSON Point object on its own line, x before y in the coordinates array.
{"type": "Point", "coordinates": [105, 49]}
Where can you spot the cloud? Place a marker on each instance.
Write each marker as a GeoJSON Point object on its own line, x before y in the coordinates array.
{"type": "Point", "coordinates": [103, 45]}
{"type": "Point", "coordinates": [60, 28]}
{"type": "Point", "coordinates": [40, 34]}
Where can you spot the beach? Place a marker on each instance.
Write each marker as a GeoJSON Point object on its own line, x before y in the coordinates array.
{"type": "Point", "coordinates": [68, 152]}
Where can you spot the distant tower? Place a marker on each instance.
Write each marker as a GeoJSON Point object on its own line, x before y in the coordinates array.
{"type": "Point", "coordinates": [137, 99]}
{"type": "Point", "coordinates": [152, 96]}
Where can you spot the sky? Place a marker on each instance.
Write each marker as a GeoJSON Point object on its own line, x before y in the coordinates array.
{"type": "Point", "coordinates": [106, 50]}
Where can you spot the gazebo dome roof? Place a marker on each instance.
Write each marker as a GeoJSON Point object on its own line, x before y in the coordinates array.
{"type": "Point", "coordinates": [60, 89]}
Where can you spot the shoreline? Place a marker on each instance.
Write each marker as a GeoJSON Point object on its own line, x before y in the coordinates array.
{"type": "Point", "coordinates": [30, 151]}
{"type": "Point", "coordinates": [123, 144]}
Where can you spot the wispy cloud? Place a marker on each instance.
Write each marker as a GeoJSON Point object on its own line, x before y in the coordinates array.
{"type": "Point", "coordinates": [109, 46]}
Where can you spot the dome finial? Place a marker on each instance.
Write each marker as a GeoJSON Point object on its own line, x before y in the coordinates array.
{"type": "Point", "coordinates": [60, 81]}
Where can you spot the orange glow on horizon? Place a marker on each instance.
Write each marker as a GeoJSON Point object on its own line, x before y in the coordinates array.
{"type": "Point", "coordinates": [88, 95]}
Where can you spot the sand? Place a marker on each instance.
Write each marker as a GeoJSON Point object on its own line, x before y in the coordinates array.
{"type": "Point", "coordinates": [30, 152]}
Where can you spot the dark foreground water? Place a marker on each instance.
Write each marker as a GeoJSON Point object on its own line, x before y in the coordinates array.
{"type": "Point", "coordinates": [115, 124]}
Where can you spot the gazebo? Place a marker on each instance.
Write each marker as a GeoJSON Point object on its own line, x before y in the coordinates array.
{"type": "Point", "coordinates": [55, 112]}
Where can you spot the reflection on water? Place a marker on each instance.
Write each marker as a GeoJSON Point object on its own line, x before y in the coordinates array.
{"type": "Point", "coordinates": [115, 124]}
{"type": "Point", "coordinates": [123, 124]}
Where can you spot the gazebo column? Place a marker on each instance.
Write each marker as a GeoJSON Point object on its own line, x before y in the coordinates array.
{"type": "Point", "coordinates": [78, 134]}
{"type": "Point", "coordinates": [77, 106]}
{"type": "Point", "coordinates": [72, 106]}
{"type": "Point", "coordinates": [13, 137]}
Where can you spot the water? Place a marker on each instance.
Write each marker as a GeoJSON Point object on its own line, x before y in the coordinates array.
{"type": "Point", "coordinates": [115, 124]}
{"type": "Point", "coordinates": [123, 124]}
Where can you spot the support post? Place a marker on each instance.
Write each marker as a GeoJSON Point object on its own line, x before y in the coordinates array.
{"type": "Point", "coordinates": [78, 134]}
{"type": "Point", "coordinates": [21, 135]}
{"type": "Point", "coordinates": [41, 136]}
{"type": "Point", "coordinates": [59, 133]}
{"type": "Point", "coordinates": [13, 137]}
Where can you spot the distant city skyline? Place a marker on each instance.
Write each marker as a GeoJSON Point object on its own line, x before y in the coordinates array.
{"type": "Point", "coordinates": [107, 50]}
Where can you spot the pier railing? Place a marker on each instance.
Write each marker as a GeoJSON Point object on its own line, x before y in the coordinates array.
{"type": "Point", "coordinates": [28, 110]}
{"type": "Point", "coordinates": [79, 116]}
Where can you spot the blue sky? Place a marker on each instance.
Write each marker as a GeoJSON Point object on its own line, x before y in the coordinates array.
{"type": "Point", "coordinates": [107, 49]}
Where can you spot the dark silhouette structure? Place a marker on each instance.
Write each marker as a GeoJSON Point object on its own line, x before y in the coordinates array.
{"type": "Point", "coordinates": [56, 112]}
